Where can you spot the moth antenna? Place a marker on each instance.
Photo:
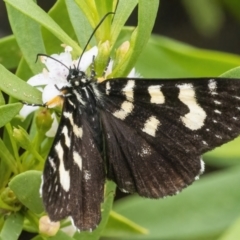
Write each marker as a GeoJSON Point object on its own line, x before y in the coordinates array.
{"type": "Point", "coordinates": [91, 36]}
{"type": "Point", "coordinates": [45, 55]}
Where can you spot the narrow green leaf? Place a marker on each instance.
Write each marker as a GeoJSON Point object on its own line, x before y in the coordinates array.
{"type": "Point", "coordinates": [8, 112]}
{"type": "Point", "coordinates": [89, 9]}
{"type": "Point", "coordinates": [62, 236]}
{"type": "Point", "coordinates": [17, 88]}
{"type": "Point", "coordinates": [80, 23]}
{"type": "Point", "coordinates": [8, 158]}
{"type": "Point", "coordinates": [30, 43]}
{"type": "Point", "coordinates": [2, 100]}
{"type": "Point", "coordinates": [202, 211]}
{"type": "Point", "coordinates": [167, 58]}
{"type": "Point", "coordinates": [12, 227]}
{"type": "Point", "coordinates": [9, 52]}
{"type": "Point", "coordinates": [30, 9]}
{"type": "Point", "coordinates": [232, 73]}
{"type": "Point", "coordinates": [147, 11]}
{"type": "Point", "coordinates": [23, 139]}
{"type": "Point", "coordinates": [60, 15]}
{"type": "Point", "coordinates": [26, 187]}
{"type": "Point", "coordinates": [233, 232]}
{"type": "Point", "coordinates": [119, 226]}
{"type": "Point", "coordinates": [122, 14]}
{"type": "Point", "coordinates": [38, 237]}
{"type": "Point", "coordinates": [226, 155]}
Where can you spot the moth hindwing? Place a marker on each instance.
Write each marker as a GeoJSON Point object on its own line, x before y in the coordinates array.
{"type": "Point", "coordinates": [152, 133]}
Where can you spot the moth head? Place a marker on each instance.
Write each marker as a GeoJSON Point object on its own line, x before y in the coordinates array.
{"type": "Point", "coordinates": [76, 78]}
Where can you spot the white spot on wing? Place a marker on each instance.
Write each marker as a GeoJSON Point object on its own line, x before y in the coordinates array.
{"type": "Point", "coordinates": [151, 126]}
{"type": "Point", "coordinates": [77, 130]}
{"type": "Point", "coordinates": [156, 94]}
{"type": "Point", "coordinates": [217, 111]}
{"type": "Point", "coordinates": [108, 87]}
{"type": "Point", "coordinates": [87, 175]}
{"type": "Point", "coordinates": [212, 86]}
{"type": "Point", "coordinates": [64, 175]}
{"type": "Point", "coordinates": [204, 142]}
{"type": "Point", "coordinates": [194, 120]}
{"type": "Point", "coordinates": [67, 139]}
{"type": "Point", "coordinates": [53, 165]}
{"type": "Point", "coordinates": [78, 96]}
{"type": "Point", "coordinates": [217, 102]}
{"type": "Point", "coordinates": [237, 97]}
{"type": "Point", "coordinates": [40, 190]}
{"type": "Point", "coordinates": [201, 169]}
{"type": "Point", "coordinates": [77, 159]}
{"type": "Point", "coordinates": [126, 109]}
{"type": "Point", "coordinates": [128, 90]}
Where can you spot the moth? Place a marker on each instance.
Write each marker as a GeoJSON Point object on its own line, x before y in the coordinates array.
{"type": "Point", "coordinates": [146, 135]}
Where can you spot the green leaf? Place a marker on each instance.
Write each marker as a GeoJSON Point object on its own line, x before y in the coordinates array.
{"type": "Point", "coordinates": [33, 11]}
{"type": "Point", "coordinates": [8, 160]}
{"type": "Point", "coordinates": [60, 15]}
{"type": "Point", "coordinates": [12, 227]}
{"type": "Point", "coordinates": [8, 112]}
{"type": "Point", "coordinates": [23, 139]}
{"type": "Point", "coordinates": [30, 43]}
{"type": "Point", "coordinates": [120, 226]}
{"type": "Point", "coordinates": [226, 155]}
{"type": "Point", "coordinates": [2, 100]}
{"type": "Point", "coordinates": [123, 12]}
{"type": "Point", "coordinates": [62, 236]}
{"type": "Point", "coordinates": [167, 58]}
{"type": "Point", "coordinates": [232, 73]}
{"type": "Point", "coordinates": [233, 232]}
{"type": "Point", "coordinates": [9, 52]}
{"type": "Point", "coordinates": [26, 187]}
{"type": "Point", "coordinates": [17, 88]}
{"type": "Point", "coordinates": [147, 11]}
{"type": "Point", "coordinates": [80, 23]}
{"type": "Point", "coordinates": [202, 211]}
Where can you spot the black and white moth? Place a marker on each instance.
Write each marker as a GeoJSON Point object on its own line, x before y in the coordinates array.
{"type": "Point", "coordinates": [147, 135]}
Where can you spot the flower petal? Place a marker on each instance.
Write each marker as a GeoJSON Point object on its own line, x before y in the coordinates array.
{"type": "Point", "coordinates": [38, 80]}
{"type": "Point", "coordinates": [49, 92]}
{"type": "Point", "coordinates": [52, 131]}
{"type": "Point", "coordinates": [26, 110]}
{"type": "Point", "coordinates": [87, 58]}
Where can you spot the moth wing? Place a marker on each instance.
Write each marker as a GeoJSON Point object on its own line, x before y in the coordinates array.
{"type": "Point", "coordinates": [73, 176]}
{"type": "Point", "coordinates": [157, 130]}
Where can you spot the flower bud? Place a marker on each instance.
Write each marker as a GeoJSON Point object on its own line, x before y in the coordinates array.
{"type": "Point", "coordinates": [47, 227]}
{"type": "Point", "coordinates": [43, 120]}
{"type": "Point", "coordinates": [102, 57]}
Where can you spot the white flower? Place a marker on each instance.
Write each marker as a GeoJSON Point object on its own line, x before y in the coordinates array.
{"type": "Point", "coordinates": [54, 77]}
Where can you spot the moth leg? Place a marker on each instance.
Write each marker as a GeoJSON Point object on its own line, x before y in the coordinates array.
{"type": "Point", "coordinates": [34, 104]}
{"type": "Point", "coordinates": [56, 101]}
